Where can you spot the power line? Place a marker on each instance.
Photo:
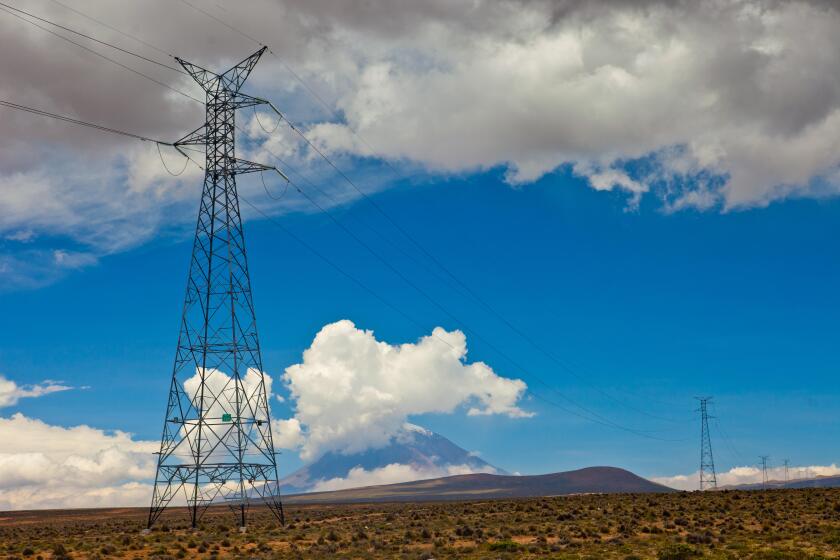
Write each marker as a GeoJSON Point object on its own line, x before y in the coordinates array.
{"type": "Point", "coordinates": [457, 320]}
{"type": "Point", "coordinates": [451, 275]}
{"type": "Point", "coordinates": [599, 419]}
{"type": "Point", "coordinates": [79, 122]}
{"type": "Point", "coordinates": [100, 55]}
{"type": "Point", "coordinates": [222, 22]}
{"type": "Point", "coordinates": [332, 264]}
{"type": "Point", "coordinates": [121, 32]}
{"type": "Point", "coordinates": [101, 42]}
{"type": "Point", "coordinates": [727, 440]}
{"type": "Point", "coordinates": [335, 202]}
{"type": "Point", "coordinates": [594, 416]}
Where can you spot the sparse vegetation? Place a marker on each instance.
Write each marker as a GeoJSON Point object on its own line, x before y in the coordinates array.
{"type": "Point", "coordinates": [773, 525]}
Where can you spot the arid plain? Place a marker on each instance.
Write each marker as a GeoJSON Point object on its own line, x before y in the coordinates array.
{"type": "Point", "coordinates": [756, 525]}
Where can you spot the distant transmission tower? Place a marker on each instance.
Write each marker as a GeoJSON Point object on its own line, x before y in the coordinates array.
{"type": "Point", "coordinates": [216, 444]}
{"type": "Point", "coordinates": [787, 465]}
{"type": "Point", "coordinates": [708, 477]}
{"type": "Point", "coordinates": [764, 459]}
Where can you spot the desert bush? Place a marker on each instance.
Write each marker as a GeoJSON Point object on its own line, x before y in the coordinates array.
{"type": "Point", "coordinates": [504, 546]}
{"type": "Point", "coordinates": [678, 552]}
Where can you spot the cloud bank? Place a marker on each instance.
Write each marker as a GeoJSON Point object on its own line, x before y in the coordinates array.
{"type": "Point", "coordinates": [715, 105]}
{"type": "Point", "coordinates": [721, 103]}
{"type": "Point", "coordinates": [748, 475]}
{"type": "Point", "coordinates": [45, 466]}
{"type": "Point", "coordinates": [353, 392]}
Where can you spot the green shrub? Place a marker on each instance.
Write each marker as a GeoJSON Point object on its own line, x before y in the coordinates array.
{"type": "Point", "coordinates": [504, 546]}
{"type": "Point", "coordinates": [777, 555]}
{"type": "Point", "coordinates": [678, 552]}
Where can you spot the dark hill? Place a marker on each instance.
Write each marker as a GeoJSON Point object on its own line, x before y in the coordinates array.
{"type": "Point", "coordinates": [592, 480]}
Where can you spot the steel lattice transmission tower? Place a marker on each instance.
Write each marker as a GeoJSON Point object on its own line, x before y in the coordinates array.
{"type": "Point", "coordinates": [216, 444]}
{"type": "Point", "coordinates": [764, 479]}
{"type": "Point", "coordinates": [708, 477]}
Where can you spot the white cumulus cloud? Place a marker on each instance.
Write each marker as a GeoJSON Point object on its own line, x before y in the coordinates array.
{"type": "Point", "coordinates": [354, 392]}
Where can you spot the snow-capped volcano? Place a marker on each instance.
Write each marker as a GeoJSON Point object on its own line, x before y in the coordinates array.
{"type": "Point", "coordinates": [413, 454]}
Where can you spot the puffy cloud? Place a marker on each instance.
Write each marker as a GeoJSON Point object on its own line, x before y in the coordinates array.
{"type": "Point", "coordinates": [11, 392]}
{"type": "Point", "coordinates": [287, 434]}
{"type": "Point", "coordinates": [45, 466]}
{"type": "Point", "coordinates": [748, 475]}
{"type": "Point", "coordinates": [353, 392]}
{"type": "Point", "coordinates": [393, 474]}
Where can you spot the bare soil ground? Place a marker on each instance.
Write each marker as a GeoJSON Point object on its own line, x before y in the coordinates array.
{"type": "Point", "coordinates": [769, 525]}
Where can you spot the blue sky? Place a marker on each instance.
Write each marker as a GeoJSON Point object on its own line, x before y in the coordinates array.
{"type": "Point", "coordinates": [651, 308]}
{"type": "Point", "coordinates": [646, 190]}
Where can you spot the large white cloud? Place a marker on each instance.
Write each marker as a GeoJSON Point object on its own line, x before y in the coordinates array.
{"type": "Point", "coordinates": [353, 392]}
{"type": "Point", "coordinates": [729, 104]}
{"type": "Point", "coordinates": [748, 475]}
{"type": "Point", "coordinates": [746, 90]}
{"type": "Point", "coordinates": [45, 466]}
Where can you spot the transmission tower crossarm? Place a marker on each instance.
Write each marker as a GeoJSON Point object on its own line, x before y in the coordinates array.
{"type": "Point", "coordinates": [236, 76]}
{"type": "Point", "coordinates": [205, 78]}
{"type": "Point", "coordinates": [197, 137]}
{"type": "Point", "coordinates": [241, 166]}
{"type": "Point", "coordinates": [261, 101]}
{"type": "Point", "coordinates": [242, 101]}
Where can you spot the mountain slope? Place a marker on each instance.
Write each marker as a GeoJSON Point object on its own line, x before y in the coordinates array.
{"type": "Point", "coordinates": [420, 449]}
{"type": "Point", "coordinates": [607, 480]}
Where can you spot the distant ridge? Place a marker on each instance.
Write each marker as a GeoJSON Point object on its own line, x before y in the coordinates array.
{"type": "Point", "coordinates": [818, 482]}
{"type": "Point", "coordinates": [591, 480]}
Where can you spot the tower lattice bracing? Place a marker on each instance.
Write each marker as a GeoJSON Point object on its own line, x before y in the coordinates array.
{"type": "Point", "coordinates": [216, 444]}
{"type": "Point", "coordinates": [708, 477]}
